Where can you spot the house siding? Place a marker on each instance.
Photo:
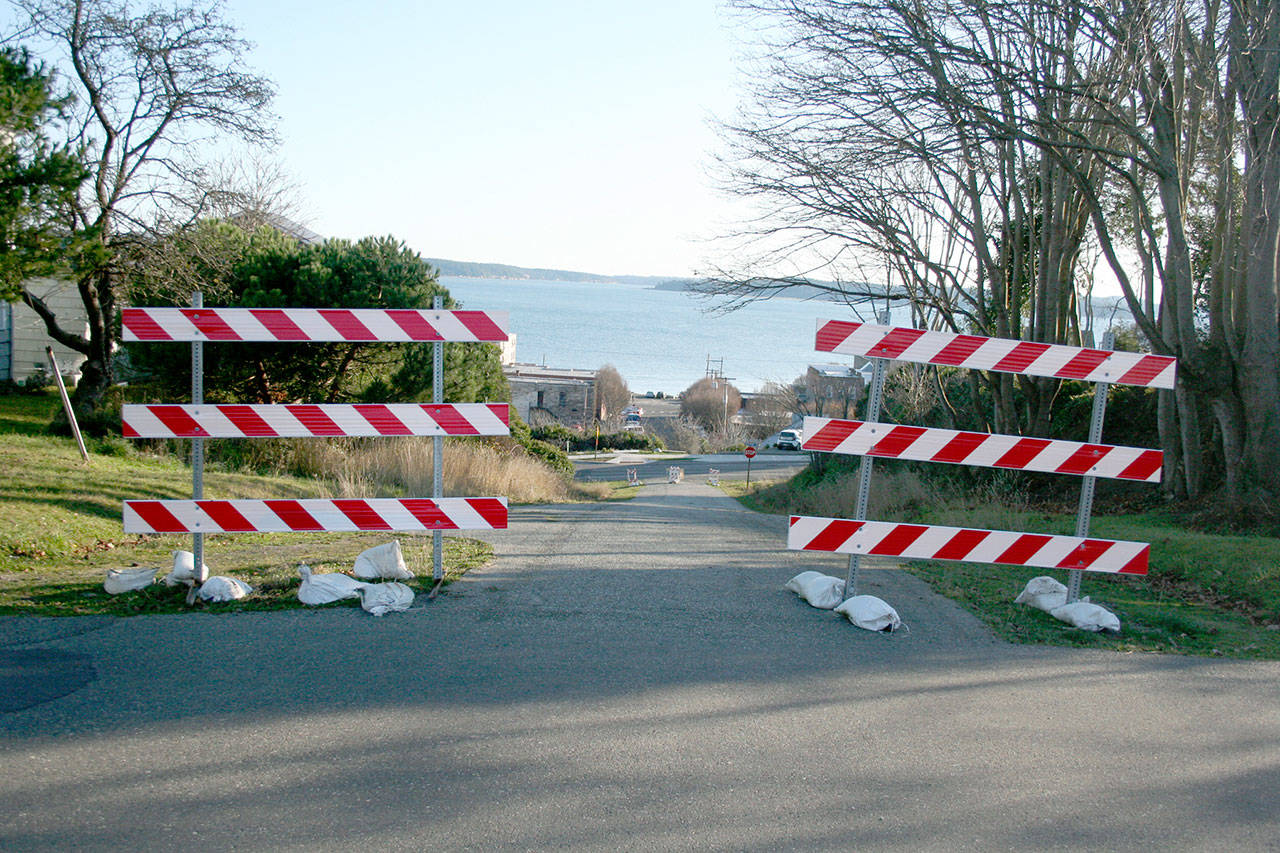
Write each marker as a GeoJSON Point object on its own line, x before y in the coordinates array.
{"type": "Point", "coordinates": [24, 350]}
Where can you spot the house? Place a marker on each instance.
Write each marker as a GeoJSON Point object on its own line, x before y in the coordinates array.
{"type": "Point", "coordinates": [23, 337]}
{"type": "Point", "coordinates": [542, 395]}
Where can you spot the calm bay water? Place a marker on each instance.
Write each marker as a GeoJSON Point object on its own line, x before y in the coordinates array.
{"type": "Point", "coordinates": [659, 340]}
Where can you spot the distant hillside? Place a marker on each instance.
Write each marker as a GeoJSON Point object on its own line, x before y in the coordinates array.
{"type": "Point", "coordinates": [476, 269]}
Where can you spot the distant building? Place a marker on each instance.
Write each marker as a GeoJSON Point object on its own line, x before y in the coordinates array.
{"type": "Point", "coordinates": [23, 336]}
{"type": "Point", "coordinates": [542, 395]}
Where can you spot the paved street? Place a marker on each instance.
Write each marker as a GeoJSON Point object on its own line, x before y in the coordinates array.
{"type": "Point", "coordinates": [624, 676]}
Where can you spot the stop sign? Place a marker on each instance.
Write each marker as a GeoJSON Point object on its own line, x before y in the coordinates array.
{"type": "Point", "coordinates": [750, 452]}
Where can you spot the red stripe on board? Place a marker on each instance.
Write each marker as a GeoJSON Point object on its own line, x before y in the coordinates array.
{"type": "Point", "coordinates": [835, 534]}
{"type": "Point", "coordinates": [1021, 454]}
{"type": "Point", "coordinates": [414, 325]}
{"type": "Point", "coordinates": [247, 421]}
{"type": "Point", "coordinates": [502, 412]}
{"type": "Point", "coordinates": [1146, 370]}
{"type": "Point", "coordinates": [897, 441]}
{"type": "Point", "coordinates": [1020, 357]}
{"type": "Point", "coordinates": [450, 419]}
{"type": "Point", "coordinates": [127, 431]}
{"type": "Point", "coordinates": [1023, 549]}
{"type": "Point", "coordinates": [381, 419]}
{"type": "Point", "coordinates": [959, 448]}
{"type": "Point", "coordinates": [156, 516]}
{"type": "Point", "coordinates": [177, 421]}
{"type": "Point", "coordinates": [315, 420]}
{"type": "Point", "coordinates": [959, 350]}
{"type": "Point", "coordinates": [212, 325]}
{"type": "Point", "coordinates": [481, 325]}
{"type": "Point", "coordinates": [138, 323]}
{"type": "Point", "coordinates": [1085, 554]}
{"type": "Point", "coordinates": [833, 333]}
{"type": "Point", "coordinates": [491, 510]}
{"type": "Point", "coordinates": [1138, 565]}
{"type": "Point", "coordinates": [895, 343]}
{"type": "Point", "coordinates": [831, 434]}
{"type": "Point", "coordinates": [1083, 364]}
{"type": "Point", "coordinates": [226, 516]}
{"type": "Point", "coordinates": [293, 515]}
{"type": "Point", "coordinates": [1083, 459]}
{"type": "Point", "coordinates": [962, 544]}
{"type": "Point", "coordinates": [428, 512]}
{"type": "Point", "coordinates": [898, 540]}
{"type": "Point", "coordinates": [1146, 465]}
{"type": "Point", "coordinates": [277, 322]}
{"type": "Point", "coordinates": [344, 322]}
{"type": "Point", "coordinates": [361, 514]}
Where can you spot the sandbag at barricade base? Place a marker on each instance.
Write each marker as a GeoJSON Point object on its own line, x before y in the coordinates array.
{"type": "Point", "coordinates": [128, 580]}
{"type": "Point", "coordinates": [1087, 617]}
{"type": "Point", "coordinates": [326, 588]}
{"type": "Point", "coordinates": [384, 561]}
{"type": "Point", "coordinates": [1043, 593]}
{"type": "Point", "coordinates": [223, 588]}
{"type": "Point", "coordinates": [184, 569]}
{"type": "Point", "coordinates": [818, 589]}
{"type": "Point", "coordinates": [867, 611]}
{"type": "Point", "coordinates": [382, 598]}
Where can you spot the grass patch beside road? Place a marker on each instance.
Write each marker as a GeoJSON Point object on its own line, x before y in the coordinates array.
{"type": "Point", "coordinates": [1205, 594]}
{"type": "Point", "coordinates": [60, 527]}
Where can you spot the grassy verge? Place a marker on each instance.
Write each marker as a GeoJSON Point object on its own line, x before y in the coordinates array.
{"type": "Point", "coordinates": [1205, 594]}
{"type": "Point", "coordinates": [60, 527]}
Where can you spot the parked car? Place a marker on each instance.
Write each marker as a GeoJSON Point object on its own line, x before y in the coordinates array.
{"type": "Point", "coordinates": [788, 439]}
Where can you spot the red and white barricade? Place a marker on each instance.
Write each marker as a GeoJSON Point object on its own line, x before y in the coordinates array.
{"type": "Point", "coordinates": [308, 421]}
{"type": "Point", "coordinates": [315, 514]}
{"type": "Point", "coordinates": [386, 325]}
{"type": "Point", "coordinates": [989, 450]}
{"type": "Point", "coordinates": [933, 542]}
{"type": "Point", "coordinates": [999, 354]}
{"type": "Point", "coordinates": [859, 537]}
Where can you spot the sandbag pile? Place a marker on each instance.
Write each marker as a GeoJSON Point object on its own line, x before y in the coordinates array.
{"type": "Point", "coordinates": [1049, 595]}
{"type": "Point", "coordinates": [827, 593]}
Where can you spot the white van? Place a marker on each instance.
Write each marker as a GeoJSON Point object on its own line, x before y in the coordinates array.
{"type": "Point", "coordinates": [789, 439]}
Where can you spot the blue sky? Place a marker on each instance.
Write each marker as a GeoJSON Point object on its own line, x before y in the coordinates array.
{"type": "Point", "coordinates": [575, 135]}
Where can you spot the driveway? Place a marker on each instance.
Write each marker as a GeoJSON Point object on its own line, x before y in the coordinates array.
{"type": "Point", "coordinates": [624, 676]}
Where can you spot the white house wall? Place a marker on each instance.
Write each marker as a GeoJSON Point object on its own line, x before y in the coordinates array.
{"type": "Point", "coordinates": [27, 335]}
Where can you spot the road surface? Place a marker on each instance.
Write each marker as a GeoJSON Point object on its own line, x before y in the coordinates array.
{"type": "Point", "coordinates": [624, 676]}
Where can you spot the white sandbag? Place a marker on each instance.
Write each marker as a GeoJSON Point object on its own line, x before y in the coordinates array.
{"type": "Point", "coordinates": [326, 588]}
{"type": "Point", "coordinates": [1087, 616]}
{"type": "Point", "coordinates": [382, 598]}
{"type": "Point", "coordinates": [384, 561]}
{"type": "Point", "coordinates": [127, 580]}
{"type": "Point", "coordinates": [223, 588]}
{"type": "Point", "coordinates": [184, 569]}
{"type": "Point", "coordinates": [867, 611]}
{"type": "Point", "coordinates": [818, 589]}
{"type": "Point", "coordinates": [1043, 593]}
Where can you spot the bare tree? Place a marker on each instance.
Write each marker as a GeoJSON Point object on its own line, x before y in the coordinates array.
{"type": "Point", "coordinates": [1030, 128]}
{"type": "Point", "coordinates": [612, 393]}
{"type": "Point", "coordinates": [711, 402]}
{"type": "Point", "coordinates": [150, 84]}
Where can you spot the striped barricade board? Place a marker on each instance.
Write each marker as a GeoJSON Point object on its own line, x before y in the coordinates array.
{"type": "Point", "coordinates": [999, 354]}
{"type": "Point", "coordinates": [310, 421]}
{"type": "Point", "coordinates": [932, 542]}
{"type": "Point", "coordinates": [315, 514]}
{"type": "Point", "coordinates": [988, 450]}
{"type": "Point", "coordinates": [388, 325]}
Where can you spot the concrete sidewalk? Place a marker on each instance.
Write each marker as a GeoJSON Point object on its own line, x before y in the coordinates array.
{"type": "Point", "coordinates": [624, 676]}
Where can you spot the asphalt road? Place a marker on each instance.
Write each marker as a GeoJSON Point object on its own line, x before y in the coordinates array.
{"type": "Point", "coordinates": [624, 676]}
{"type": "Point", "coordinates": [770, 465]}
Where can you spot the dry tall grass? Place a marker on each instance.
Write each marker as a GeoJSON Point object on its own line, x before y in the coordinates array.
{"type": "Point", "coordinates": [403, 467]}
